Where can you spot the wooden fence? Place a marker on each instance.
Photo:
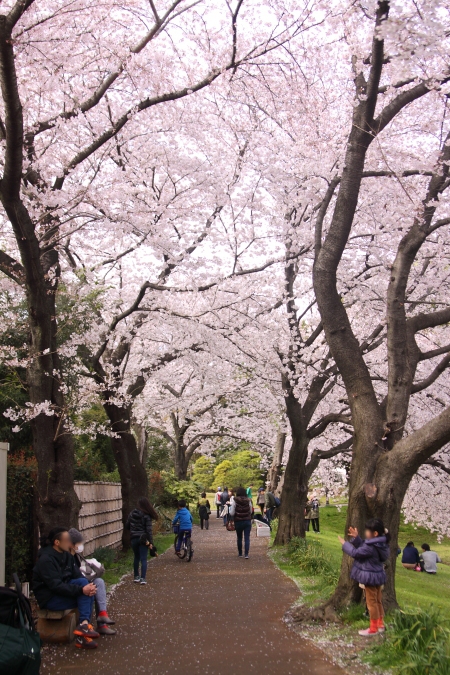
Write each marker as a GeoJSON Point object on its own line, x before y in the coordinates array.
{"type": "Point", "coordinates": [100, 518]}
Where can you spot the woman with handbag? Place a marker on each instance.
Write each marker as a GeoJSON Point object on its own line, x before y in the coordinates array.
{"type": "Point", "coordinates": [140, 525]}
{"type": "Point", "coordinates": [204, 509]}
{"type": "Point", "coordinates": [92, 570]}
{"type": "Point", "coordinates": [241, 510]}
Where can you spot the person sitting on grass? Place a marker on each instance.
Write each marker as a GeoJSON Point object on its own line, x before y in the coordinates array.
{"type": "Point", "coordinates": [368, 568]}
{"type": "Point", "coordinates": [429, 559]}
{"type": "Point", "coordinates": [410, 557]}
{"type": "Point", "coordinates": [183, 518]}
{"type": "Point", "coordinates": [59, 585]}
{"type": "Point", "coordinates": [92, 570]}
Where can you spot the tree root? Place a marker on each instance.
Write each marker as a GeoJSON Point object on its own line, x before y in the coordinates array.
{"type": "Point", "coordinates": [319, 614]}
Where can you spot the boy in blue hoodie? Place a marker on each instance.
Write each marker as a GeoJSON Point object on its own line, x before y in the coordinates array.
{"type": "Point", "coordinates": [183, 518]}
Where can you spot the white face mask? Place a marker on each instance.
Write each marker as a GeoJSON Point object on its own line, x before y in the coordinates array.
{"type": "Point", "coordinates": [80, 548]}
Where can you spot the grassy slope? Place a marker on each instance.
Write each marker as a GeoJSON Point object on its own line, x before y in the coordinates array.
{"type": "Point", "coordinates": [413, 589]}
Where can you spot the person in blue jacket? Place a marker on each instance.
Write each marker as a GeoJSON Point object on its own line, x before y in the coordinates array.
{"type": "Point", "coordinates": [183, 519]}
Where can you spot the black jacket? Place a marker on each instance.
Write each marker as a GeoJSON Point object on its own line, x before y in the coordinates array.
{"type": "Point", "coordinates": [139, 523]}
{"type": "Point", "coordinates": [51, 576]}
{"type": "Point", "coordinates": [224, 498]}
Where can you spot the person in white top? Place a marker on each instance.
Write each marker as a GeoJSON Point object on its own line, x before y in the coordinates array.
{"type": "Point", "coordinates": [217, 501]}
{"type": "Point", "coordinates": [429, 559]}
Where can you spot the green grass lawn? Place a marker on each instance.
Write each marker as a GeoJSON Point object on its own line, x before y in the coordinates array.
{"type": "Point", "coordinates": [413, 589]}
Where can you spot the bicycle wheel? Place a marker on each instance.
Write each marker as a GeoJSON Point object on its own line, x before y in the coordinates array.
{"type": "Point", "coordinates": [189, 550]}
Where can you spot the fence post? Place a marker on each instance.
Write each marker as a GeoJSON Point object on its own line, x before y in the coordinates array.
{"type": "Point", "coordinates": [4, 447]}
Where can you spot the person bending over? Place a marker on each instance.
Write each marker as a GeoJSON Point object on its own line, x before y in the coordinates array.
{"type": "Point", "coordinates": [183, 519]}
{"type": "Point", "coordinates": [92, 570]}
{"type": "Point", "coordinates": [58, 584]}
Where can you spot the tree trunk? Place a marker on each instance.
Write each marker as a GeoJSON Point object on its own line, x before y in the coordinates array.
{"type": "Point", "coordinates": [141, 435]}
{"type": "Point", "coordinates": [180, 461]}
{"type": "Point", "coordinates": [291, 514]}
{"type": "Point", "coordinates": [275, 469]}
{"type": "Point", "coordinates": [133, 476]}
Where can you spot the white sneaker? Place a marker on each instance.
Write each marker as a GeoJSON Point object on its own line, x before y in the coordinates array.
{"type": "Point", "coordinates": [143, 582]}
{"type": "Point", "coordinates": [367, 632]}
{"type": "Point", "coordinates": [136, 580]}
{"type": "Point", "coordinates": [246, 557]}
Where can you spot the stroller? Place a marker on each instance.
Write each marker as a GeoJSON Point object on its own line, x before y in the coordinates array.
{"type": "Point", "coordinates": [20, 644]}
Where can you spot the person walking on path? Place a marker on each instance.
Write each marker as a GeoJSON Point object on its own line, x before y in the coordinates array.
{"type": "Point", "coordinates": [92, 570]}
{"type": "Point", "coordinates": [410, 557]}
{"type": "Point", "coordinates": [224, 499]}
{"type": "Point", "coordinates": [261, 500]}
{"type": "Point", "coordinates": [204, 509]}
{"type": "Point", "coordinates": [429, 559]}
{"type": "Point", "coordinates": [242, 512]}
{"type": "Point", "coordinates": [269, 505]}
{"type": "Point", "coordinates": [217, 501]}
{"type": "Point", "coordinates": [368, 568]}
{"type": "Point", "coordinates": [249, 492]}
{"type": "Point", "coordinates": [140, 525]}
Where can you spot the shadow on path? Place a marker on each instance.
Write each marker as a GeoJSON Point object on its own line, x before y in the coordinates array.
{"type": "Point", "coordinates": [217, 615]}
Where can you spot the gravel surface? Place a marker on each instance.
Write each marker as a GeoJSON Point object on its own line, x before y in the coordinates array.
{"type": "Point", "coordinates": [215, 615]}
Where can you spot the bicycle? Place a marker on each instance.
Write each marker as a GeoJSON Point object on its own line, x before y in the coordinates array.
{"type": "Point", "coordinates": [186, 551]}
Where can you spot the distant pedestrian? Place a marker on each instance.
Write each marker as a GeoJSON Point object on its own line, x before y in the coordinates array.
{"type": "Point", "coordinates": [368, 569]}
{"type": "Point", "coordinates": [314, 514]}
{"type": "Point", "coordinates": [261, 499]}
{"type": "Point", "coordinates": [241, 510]}
{"type": "Point", "coordinates": [217, 501]}
{"type": "Point", "coordinates": [410, 557]}
{"type": "Point", "coordinates": [269, 505]}
{"type": "Point", "coordinates": [140, 525]}
{"type": "Point", "coordinates": [307, 516]}
{"type": "Point", "coordinates": [224, 501]}
{"type": "Point", "coordinates": [249, 492]}
{"type": "Point", "coordinates": [429, 559]}
{"type": "Point", "coordinates": [204, 510]}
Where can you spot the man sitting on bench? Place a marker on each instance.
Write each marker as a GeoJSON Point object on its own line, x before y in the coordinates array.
{"type": "Point", "coordinates": [59, 585]}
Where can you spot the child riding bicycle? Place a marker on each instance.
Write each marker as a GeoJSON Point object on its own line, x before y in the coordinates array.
{"type": "Point", "coordinates": [183, 519]}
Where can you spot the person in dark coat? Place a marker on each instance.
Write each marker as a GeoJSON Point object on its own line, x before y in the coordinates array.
{"type": "Point", "coordinates": [204, 509]}
{"type": "Point", "coordinates": [58, 584]}
{"type": "Point", "coordinates": [410, 557]}
{"type": "Point", "coordinates": [241, 510]}
{"type": "Point", "coordinates": [140, 525]}
{"type": "Point", "coordinates": [224, 499]}
{"type": "Point", "coordinates": [368, 568]}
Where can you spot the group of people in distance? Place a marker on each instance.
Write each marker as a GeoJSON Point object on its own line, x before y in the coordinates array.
{"type": "Point", "coordinates": [423, 562]}
{"type": "Point", "coordinates": [265, 500]}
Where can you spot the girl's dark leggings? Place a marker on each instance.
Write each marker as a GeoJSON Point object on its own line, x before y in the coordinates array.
{"type": "Point", "coordinates": [140, 556]}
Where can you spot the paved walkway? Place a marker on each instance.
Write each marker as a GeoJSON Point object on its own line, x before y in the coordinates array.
{"type": "Point", "coordinates": [217, 615]}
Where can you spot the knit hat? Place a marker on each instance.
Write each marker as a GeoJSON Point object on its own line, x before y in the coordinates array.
{"type": "Point", "coordinates": [75, 536]}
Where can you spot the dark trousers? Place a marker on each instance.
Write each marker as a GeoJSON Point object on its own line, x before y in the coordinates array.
{"type": "Point", "coordinates": [140, 556]}
{"type": "Point", "coordinates": [307, 521]}
{"type": "Point", "coordinates": [315, 524]}
{"type": "Point", "coordinates": [181, 534]}
{"type": "Point", "coordinates": [269, 513]}
{"type": "Point", "coordinates": [205, 522]}
{"type": "Point", "coordinates": [219, 508]}
{"type": "Point", "coordinates": [84, 603]}
{"type": "Point", "coordinates": [243, 527]}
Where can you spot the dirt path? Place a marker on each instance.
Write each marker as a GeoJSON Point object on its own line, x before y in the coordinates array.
{"type": "Point", "coordinates": [218, 614]}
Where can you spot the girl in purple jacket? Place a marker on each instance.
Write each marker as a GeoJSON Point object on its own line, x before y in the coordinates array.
{"type": "Point", "coordinates": [368, 568]}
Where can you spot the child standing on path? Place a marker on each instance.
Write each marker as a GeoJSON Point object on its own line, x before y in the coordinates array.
{"type": "Point", "coordinates": [368, 568]}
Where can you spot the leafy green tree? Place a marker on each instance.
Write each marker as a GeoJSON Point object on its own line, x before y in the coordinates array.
{"type": "Point", "coordinates": [203, 473]}
{"type": "Point", "coordinates": [221, 473]}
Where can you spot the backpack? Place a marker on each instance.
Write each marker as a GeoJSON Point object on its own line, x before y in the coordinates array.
{"type": "Point", "coordinates": [277, 502]}
{"type": "Point", "coordinates": [20, 644]}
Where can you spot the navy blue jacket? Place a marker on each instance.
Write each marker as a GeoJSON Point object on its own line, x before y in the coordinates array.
{"type": "Point", "coordinates": [410, 555]}
{"type": "Point", "coordinates": [369, 555]}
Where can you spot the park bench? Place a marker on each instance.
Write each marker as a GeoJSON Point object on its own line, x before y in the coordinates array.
{"type": "Point", "coordinates": [57, 627]}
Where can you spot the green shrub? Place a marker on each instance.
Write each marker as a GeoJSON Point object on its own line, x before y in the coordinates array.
{"type": "Point", "coordinates": [310, 557]}
{"type": "Point", "coordinates": [107, 556]}
{"type": "Point", "coordinates": [418, 643]}
{"type": "Point", "coordinates": [20, 535]}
